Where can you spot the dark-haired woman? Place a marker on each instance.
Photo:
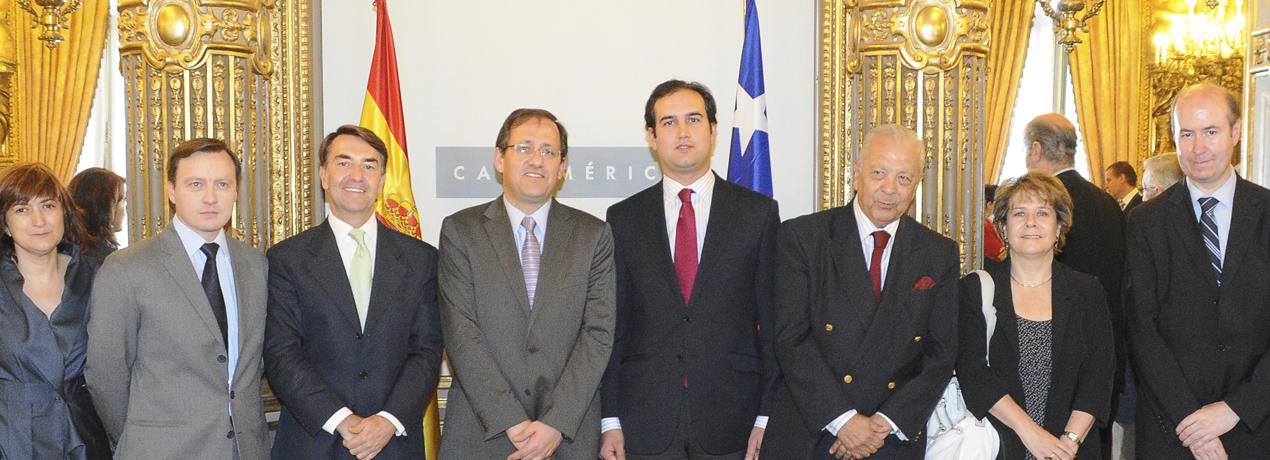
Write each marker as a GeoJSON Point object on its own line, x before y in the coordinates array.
{"type": "Point", "coordinates": [45, 408]}
{"type": "Point", "coordinates": [99, 194]}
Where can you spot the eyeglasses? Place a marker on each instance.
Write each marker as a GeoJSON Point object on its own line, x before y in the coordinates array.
{"type": "Point", "coordinates": [524, 149]}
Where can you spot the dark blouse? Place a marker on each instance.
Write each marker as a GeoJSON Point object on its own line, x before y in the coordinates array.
{"type": "Point", "coordinates": [45, 409]}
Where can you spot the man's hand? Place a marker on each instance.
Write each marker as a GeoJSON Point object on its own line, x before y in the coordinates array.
{"type": "Point", "coordinates": [345, 428]}
{"type": "Point", "coordinates": [613, 445]}
{"type": "Point", "coordinates": [538, 441]}
{"type": "Point", "coordinates": [514, 432]}
{"type": "Point", "coordinates": [1212, 450]}
{"type": "Point", "coordinates": [756, 442]}
{"type": "Point", "coordinates": [857, 439]}
{"type": "Point", "coordinates": [1206, 424]}
{"type": "Point", "coordinates": [373, 433]}
{"type": "Point", "coordinates": [880, 425]}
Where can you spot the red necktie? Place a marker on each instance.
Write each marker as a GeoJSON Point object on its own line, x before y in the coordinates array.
{"type": "Point", "coordinates": [880, 238]}
{"type": "Point", "coordinates": [686, 245]}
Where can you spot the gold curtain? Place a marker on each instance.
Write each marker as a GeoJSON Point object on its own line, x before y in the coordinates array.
{"type": "Point", "coordinates": [56, 86]}
{"type": "Point", "coordinates": [1107, 80]}
{"type": "Point", "coordinates": [1011, 25]}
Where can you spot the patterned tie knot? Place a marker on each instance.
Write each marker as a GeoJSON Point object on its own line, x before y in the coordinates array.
{"type": "Point", "coordinates": [685, 195]}
{"type": "Point", "coordinates": [529, 224]}
{"type": "Point", "coordinates": [210, 249]}
{"type": "Point", "coordinates": [880, 238]}
{"type": "Point", "coordinates": [1206, 204]}
{"type": "Point", "coordinates": [359, 236]}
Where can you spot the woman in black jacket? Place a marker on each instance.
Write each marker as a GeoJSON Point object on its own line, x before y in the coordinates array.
{"type": "Point", "coordinates": [1050, 362]}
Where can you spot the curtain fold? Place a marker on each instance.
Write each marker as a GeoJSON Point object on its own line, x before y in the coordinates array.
{"type": "Point", "coordinates": [1011, 24]}
{"type": "Point", "coordinates": [56, 86]}
{"type": "Point", "coordinates": [1106, 77]}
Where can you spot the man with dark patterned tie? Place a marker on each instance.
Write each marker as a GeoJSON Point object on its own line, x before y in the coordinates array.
{"type": "Point", "coordinates": [1198, 266]}
{"type": "Point", "coordinates": [527, 305]}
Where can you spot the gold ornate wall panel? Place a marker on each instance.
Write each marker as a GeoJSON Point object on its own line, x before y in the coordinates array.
{"type": "Point", "coordinates": [1257, 94]}
{"type": "Point", "coordinates": [921, 64]}
{"type": "Point", "coordinates": [8, 71]}
{"type": "Point", "coordinates": [239, 71]}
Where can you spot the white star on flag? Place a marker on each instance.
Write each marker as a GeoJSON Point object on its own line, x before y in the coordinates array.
{"type": "Point", "coordinates": [750, 115]}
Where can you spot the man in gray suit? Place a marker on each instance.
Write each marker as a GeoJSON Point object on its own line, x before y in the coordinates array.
{"type": "Point", "coordinates": [174, 348]}
{"type": "Point", "coordinates": [527, 305]}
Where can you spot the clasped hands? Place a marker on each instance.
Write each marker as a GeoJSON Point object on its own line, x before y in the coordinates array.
{"type": "Point", "coordinates": [1200, 431]}
{"type": "Point", "coordinates": [365, 437]}
{"type": "Point", "coordinates": [860, 437]}
{"type": "Point", "coordinates": [533, 440]}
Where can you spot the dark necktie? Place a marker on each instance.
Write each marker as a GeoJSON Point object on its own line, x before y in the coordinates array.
{"type": "Point", "coordinates": [1211, 239]}
{"type": "Point", "coordinates": [686, 245]}
{"type": "Point", "coordinates": [880, 238]}
{"type": "Point", "coordinates": [211, 286]}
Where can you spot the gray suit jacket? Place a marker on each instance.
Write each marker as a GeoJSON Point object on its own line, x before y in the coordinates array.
{"type": "Point", "coordinates": [512, 363]}
{"type": "Point", "coordinates": [156, 363]}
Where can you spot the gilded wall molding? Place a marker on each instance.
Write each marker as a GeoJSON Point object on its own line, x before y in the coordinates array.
{"type": "Point", "coordinates": [921, 64]}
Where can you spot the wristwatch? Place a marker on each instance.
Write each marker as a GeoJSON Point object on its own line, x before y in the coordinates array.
{"type": "Point", "coordinates": [1072, 436]}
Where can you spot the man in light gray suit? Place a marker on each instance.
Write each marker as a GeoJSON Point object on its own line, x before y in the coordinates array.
{"type": "Point", "coordinates": [174, 347]}
{"type": "Point", "coordinates": [527, 305]}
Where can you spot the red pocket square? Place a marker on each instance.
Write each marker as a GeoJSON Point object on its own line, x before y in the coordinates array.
{"type": "Point", "coordinates": [923, 284]}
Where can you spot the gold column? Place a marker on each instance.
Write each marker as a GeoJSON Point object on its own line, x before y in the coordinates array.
{"type": "Point", "coordinates": [237, 70]}
{"type": "Point", "coordinates": [921, 64]}
{"type": "Point", "coordinates": [8, 69]}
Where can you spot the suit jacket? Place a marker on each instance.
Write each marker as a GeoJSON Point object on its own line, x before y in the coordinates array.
{"type": "Point", "coordinates": [156, 362]}
{"type": "Point", "coordinates": [1096, 245]}
{"type": "Point", "coordinates": [722, 341]}
{"type": "Point", "coordinates": [840, 350]}
{"type": "Point", "coordinates": [1082, 365]}
{"type": "Point", "coordinates": [1196, 342]}
{"type": "Point", "coordinates": [1133, 202]}
{"type": "Point", "coordinates": [318, 358]}
{"type": "Point", "coordinates": [512, 363]}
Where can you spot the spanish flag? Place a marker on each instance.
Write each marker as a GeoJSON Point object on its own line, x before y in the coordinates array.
{"type": "Point", "coordinates": [382, 113]}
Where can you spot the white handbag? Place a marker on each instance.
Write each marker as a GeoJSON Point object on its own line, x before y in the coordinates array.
{"type": "Point", "coordinates": [952, 432]}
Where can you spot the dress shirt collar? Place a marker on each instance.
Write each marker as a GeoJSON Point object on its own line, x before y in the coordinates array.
{"type": "Point", "coordinates": [193, 242]}
{"type": "Point", "coordinates": [1225, 194]}
{"type": "Point", "coordinates": [866, 227]}
{"type": "Point", "coordinates": [703, 185]}
{"type": "Point", "coordinates": [340, 229]}
{"type": "Point", "coordinates": [515, 215]}
{"type": "Point", "coordinates": [1069, 168]}
{"type": "Point", "coordinates": [1128, 198]}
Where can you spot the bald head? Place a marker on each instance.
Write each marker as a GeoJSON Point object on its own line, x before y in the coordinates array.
{"type": "Point", "coordinates": [1051, 142]}
{"type": "Point", "coordinates": [1206, 92]}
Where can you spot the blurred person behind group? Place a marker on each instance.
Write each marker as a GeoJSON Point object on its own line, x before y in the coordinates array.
{"type": "Point", "coordinates": [99, 194]}
{"type": "Point", "coordinates": [45, 409]}
{"type": "Point", "coordinates": [1159, 173]}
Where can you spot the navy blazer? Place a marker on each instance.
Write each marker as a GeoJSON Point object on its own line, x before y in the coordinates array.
{"type": "Point", "coordinates": [317, 357]}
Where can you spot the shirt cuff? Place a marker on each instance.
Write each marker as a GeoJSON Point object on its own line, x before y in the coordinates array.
{"type": "Point", "coordinates": [760, 422]}
{"type": "Point", "coordinates": [836, 425]}
{"type": "Point", "coordinates": [895, 430]}
{"type": "Point", "coordinates": [401, 430]}
{"type": "Point", "coordinates": [336, 419]}
{"type": "Point", "coordinates": [610, 424]}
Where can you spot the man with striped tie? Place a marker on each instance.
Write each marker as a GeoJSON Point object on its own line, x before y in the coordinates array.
{"type": "Point", "coordinates": [1198, 264]}
{"type": "Point", "coordinates": [527, 302]}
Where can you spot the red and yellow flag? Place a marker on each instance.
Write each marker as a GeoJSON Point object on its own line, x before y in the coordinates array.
{"type": "Point", "coordinates": [382, 113]}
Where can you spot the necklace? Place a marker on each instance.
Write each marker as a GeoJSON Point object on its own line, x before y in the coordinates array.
{"type": "Point", "coordinates": [1042, 283]}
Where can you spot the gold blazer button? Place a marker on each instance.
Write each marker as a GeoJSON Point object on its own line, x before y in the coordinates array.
{"type": "Point", "coordinates": [828, 327]}
{"type": "Point", "coordinates": [847, 378]}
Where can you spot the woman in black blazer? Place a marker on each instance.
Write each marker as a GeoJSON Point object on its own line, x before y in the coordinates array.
{"type": "Point", "coordinates": [1050, 362]}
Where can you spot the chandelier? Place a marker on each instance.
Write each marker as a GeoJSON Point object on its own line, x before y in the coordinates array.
{"type": "Point", "coordinates": [1068, 19]}
{"type": "Point", "coordinates": [52, 16]}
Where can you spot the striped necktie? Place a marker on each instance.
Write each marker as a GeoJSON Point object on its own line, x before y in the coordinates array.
{"type": "Point", "coordinates": [530, 258]}
{"type": "Point", "coordinates": [1211, 239]}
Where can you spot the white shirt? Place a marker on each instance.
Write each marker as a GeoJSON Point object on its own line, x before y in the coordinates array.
{"type": "Point", "coordinates": [1225, 195]}
{"type": "Point", "coordinates": [866, 229]}
{"type": "Point", "coordinates": [702, 197]}
{"type": "Point", "coordinates": [193, 243]}
{"type": "Point", "coordinates": [348, 246]}
{"type": "Point", "coordinates": [1124, 202]}
{"type": "Point", "coordinates": [515, 216]}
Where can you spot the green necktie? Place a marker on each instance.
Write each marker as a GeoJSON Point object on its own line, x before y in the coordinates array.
{"type": "Point", "coordinates": [359, 275]}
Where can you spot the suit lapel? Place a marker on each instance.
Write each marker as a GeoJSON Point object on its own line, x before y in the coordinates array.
{"type": "Point", "coordinates": [556, 255]}
{"type": "Point", "coordinates": [719, 231]}
{"type": "Point", "coordinates": [391, 270]}
{"type": "Point", "coordinates": [1243, 218]}
{"type": "Point", "coordinates": [850, 280]}
{"type": "Point", "coordinates": [499, 233]}
{"type": "Point", "coordinates": [1061, 305]}
{"type": "Point", "coordinates": [892, 311]}
{"type": "Point", "coordinates": [654, 224]}
{"type": "Point", "coordinates": [179, 267]}
{"type": "Point", "coordinates": [238, 256]}
{"type": "Point", "coordinates": [1186, 230]}
{"type": "Point", "coordinates": [330, 273]}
